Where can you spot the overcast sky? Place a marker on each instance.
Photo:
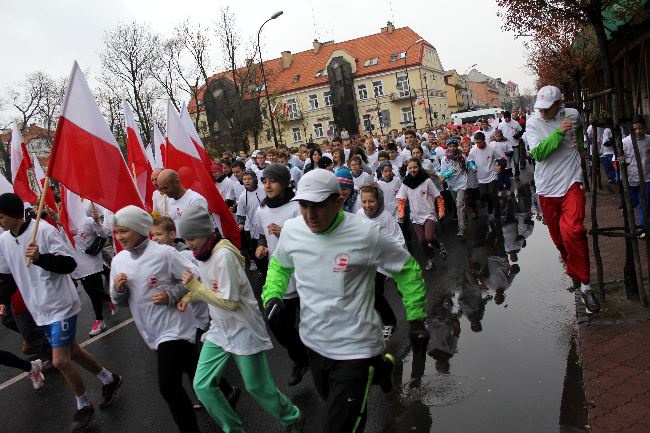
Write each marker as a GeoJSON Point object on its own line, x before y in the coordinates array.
{"type": "Point", "coordinates": [48, 35]}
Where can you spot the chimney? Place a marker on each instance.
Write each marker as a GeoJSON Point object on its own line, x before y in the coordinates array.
{"type": "Point", "coordinates": [316, 45]}
{"type": "Point", "coordinates": [286, 60]}
{"type": "Point", "coordinates": [249, 62]}
{"type": "Point", "coordinates": [390, 28]}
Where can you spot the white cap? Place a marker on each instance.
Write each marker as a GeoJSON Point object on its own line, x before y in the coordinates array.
{"type": "Point", "coordinates": [255, 152]}
{"type": "Point", "coordinates": [547, 96]}
{"type": "Point", "coordinates": [317, 185]}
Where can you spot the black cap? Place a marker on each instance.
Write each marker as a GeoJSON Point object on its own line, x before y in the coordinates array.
{"type": "Point", "coordinates": [11, 205]}
{"type": "Point", "coordinates": [279, 173]}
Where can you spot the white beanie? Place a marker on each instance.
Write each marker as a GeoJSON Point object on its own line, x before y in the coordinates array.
{"type": "Point", "coordinates": [134, 218]}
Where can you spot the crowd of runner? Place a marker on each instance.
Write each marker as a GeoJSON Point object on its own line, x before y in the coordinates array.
{"type": "Point", "coordinates": [323, 227]}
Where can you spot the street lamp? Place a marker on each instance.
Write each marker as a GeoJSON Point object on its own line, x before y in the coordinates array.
{"type": "Point", "coordinates": [406, 72]}
{"type": "Point", "coordinates": [469, 102]}
{"type": "Point", "coordinates": [266, 86]}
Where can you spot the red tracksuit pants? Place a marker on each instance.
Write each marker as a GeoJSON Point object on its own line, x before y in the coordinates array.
{"type": "Point", "coordinates": [564, 217]}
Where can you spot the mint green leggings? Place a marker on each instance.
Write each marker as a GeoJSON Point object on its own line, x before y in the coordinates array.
{"type": "Point", "coordinates": [256, 373]}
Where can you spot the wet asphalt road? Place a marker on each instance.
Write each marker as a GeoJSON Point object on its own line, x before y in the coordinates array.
{"type": "Point", "coordinates": [506, 378]}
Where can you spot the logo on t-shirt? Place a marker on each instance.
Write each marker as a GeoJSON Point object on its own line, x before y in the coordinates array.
{"type": "Point", "coordinates": [215, 286]}
{"type": "Point", "coordinates": [179, 213]}
{"type": "Point", "coordinates": [152, 281]}
{"type": "Point", "coordinates": [341, 263]}
{"type": "Point", "coordinates": [82, 235]}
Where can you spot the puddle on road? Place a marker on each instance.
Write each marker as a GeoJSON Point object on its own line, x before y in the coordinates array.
{"type": "Point", "coordinates": [501, 325]}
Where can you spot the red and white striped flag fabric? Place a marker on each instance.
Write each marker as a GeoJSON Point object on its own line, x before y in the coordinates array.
{"type": "Point", "coordinates": [85, 156]}
{"type": "Point", "coordinates": [149, 152]}
{"type": "Point", "coordinates": [39, 174]}
{"type": "Point", "coordinates": [20, 162]}
{"type": "Point", "coordinates": [158, 147]}
{"type": "Point", "coordinates": [137, 158]}
{"type": "Point", "coordinates": [182, 157]}
{"type": "Point", "coordinates": [72, 213]}
{"type": "Point", "coordinates": [196, 140]}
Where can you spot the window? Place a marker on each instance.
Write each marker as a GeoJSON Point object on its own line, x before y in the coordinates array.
{"type": "Point", "coordinates": [403, 86]}
{"type": "Point", "coordinates": [327, 97]}
{"type": "Point", "coordinates": [402, 54]}
{"type": "Point", "coordinates": [297, 136]}
{"type": "Point", "coordinates": [384, 118]}
{"type": "Point", "coordinates": [362, 91]}
{"type": "Point", "coordinates": [378, 88]}
{"type": "Point", "coordinates": [331, 128]}
{"type": "Point", "coordinates": [371, 62]}
{"type": "Point", "coordinates": [313, 102]}
{"type": "Point", "coordinates": [393, 57]}
{"type": "Point", "coordinates": [318, 74]}
{"type": "Point", "coordinates": [318, 130]}
{"type": "Point", "coordinates": [407, 116]}
{"type": "Point", "coordinates": [292, 108]}
{"type": "Point", "coordinates": [296, 78]}
{"type": "Point", "coordinates": [367, 123]}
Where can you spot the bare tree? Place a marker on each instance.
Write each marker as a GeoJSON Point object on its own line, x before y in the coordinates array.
{"type": "Point", "coordinates": [50, 105]}
{"type": "Point", "coordinates": [28, 96]}
{"type": "Point", "coordinates": [130, 53]}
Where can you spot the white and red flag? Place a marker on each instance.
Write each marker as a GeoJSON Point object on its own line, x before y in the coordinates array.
{"type": "Point", "coordinates": [72, 213]}
{"type": "Point", "coordinates": [85, 156]}
{"type": "Point", "coordinates": [137, 158]}
{"type": "Point", "coordinates": [182, 157]}
{"type": "Point", "coordinates": [196, 140]}
{"type": "Point", "coordinates": [20, 162]}
{"type": "Point", "coordinates": [158, 147]}
{"type": "Point", "coordinates": [39, 174]}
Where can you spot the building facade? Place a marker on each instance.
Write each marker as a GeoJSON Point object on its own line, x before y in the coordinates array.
{"type": "Point", "coordinates": [385, 81]}
{"type": "Point", "coordinates": [458, 94]}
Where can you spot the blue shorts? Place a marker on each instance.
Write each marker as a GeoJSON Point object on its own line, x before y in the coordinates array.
{"type": "Point", "coordinates": [62, 333]}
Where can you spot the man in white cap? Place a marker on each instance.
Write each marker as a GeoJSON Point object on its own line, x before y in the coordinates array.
{"type": "Point", "coordinates": [556, 142]}
{"type": "Point", "coordinates": [334, 256]}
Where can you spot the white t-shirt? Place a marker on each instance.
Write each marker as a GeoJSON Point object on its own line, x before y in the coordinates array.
{"type": "Point", "coordinates": [607, 135]}
{"type": "Point", "coordinates": [237, 186]}
{"type": "Point", "coordinates": [247, 204]}
{"type": "Point", "coordinates": [335, 275]}
{"type": "Point", "coordinates": [86, 235]}
{"type": "Point", "coordinates": [156, 269]}
{"type": "Point", "coordinates": [486, 162]}
{"type": "Point", "coordinates": [405, 154]}
{"type": "Point", "coordinates": [373, 160]}
{"type": "Point", "coordinates": [439, 153]}
{"type": "Point", "coordinates": [242, 331]}
{"type": "Point", "coordinates": [555, 175]}
{"type": "Point", "coordinates": [226, 188]}
{"type": "Point", "coordinates": [361, 180]}
{"type": "Point", "coordinates": [49, 297]}
{"type": "Point", "coordinates": [509, 129]}
{"type": "Point", "coordinates": [390, 193]}
{"type": "Point", "coordinates": [199, 309]}
{"type": "Point", "coordinates": [644, 152]}
{"type": "Point", "coordinates": [175, 208]}
{"type": "Point", "coordinates": [421, 201]}
{"type": "Point", "coordinates": [159, 203]}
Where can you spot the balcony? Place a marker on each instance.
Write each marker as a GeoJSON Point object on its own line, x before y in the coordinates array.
{"type": "Point", "coordinates": [399, 96]}
{"type": "Point", "coordinates": [295, 115]}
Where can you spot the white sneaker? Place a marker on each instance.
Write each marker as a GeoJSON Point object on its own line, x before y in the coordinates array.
{"type": "Point", "coordinates": [253, 266]}
{"type": "Point", "coordinates": [38, 380]}
{"type": "Point", "coordinates": [387, 331]}
{"type": "Point", "coordinates": [98, 327]}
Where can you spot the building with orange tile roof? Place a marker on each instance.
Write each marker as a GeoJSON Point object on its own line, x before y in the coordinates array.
{"type": "Point", "coordinates": [390, 71]}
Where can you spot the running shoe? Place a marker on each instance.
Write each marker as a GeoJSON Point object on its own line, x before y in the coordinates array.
{"type": "Point", "coordinates": [296, 374]}
{"type": "Point", "coordinates": [82, 419]}
{"type": "Point", "coordinates": [429, 265]}
{"type": "Point", "coordinates": [388, 331]}
{"type": "Point", "coordinates": [591, 303]}
{"type": "Point", "coordinates": [98, 327]}
{"type": "Point", "coordinates": [109, 390]}
{"type": "Point", "coordinates": [253, 266]}
{"type": "Point", "coordinates": [114, 308]}
{"type": "Point", "coordinates": [443, 252]}
{"type": "Point", "coordinates": [36, 375]}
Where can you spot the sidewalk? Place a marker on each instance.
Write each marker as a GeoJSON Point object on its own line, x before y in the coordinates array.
{"type": "Point", "coordinates": [615, 345]}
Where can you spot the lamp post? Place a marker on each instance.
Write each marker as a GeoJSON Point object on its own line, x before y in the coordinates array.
{"type": "Point", "coordinates": [469, 99]}
{"type": "Point", "coordinates": [266, 86]}
{"type": "Point", "coordinates": [415, 125]}
{"type": "Point", "coordinates": [426, 88]}
{"type": "Point", "coordinates": [381, 121]}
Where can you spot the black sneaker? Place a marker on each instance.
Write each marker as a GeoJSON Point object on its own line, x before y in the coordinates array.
{"type": "Point", "coordinates": [233, 397]}
{"type": "Point", "coordinates": [82, 418]}
{"type": "Point", "coordinates": [109, 391]}
{"type": "Point", "coordinates": [443, 252]}
{"type": "Point", "coordinates": [591, 303]}
{"type": "Point", "coordinates": [296, 375]}
{"type": "Point", "coordinates": [386, 384]}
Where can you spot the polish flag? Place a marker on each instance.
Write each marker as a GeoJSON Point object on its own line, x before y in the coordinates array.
{"type": "Point", "coordinates": [196, 140]}
{"type": "Point", "coordinates": [149, 152]}
{"type": "Point", "coordinates": [137, 157]}
{"type": "Point", "coordinates": [40, 178]}
{"type": "Point", "coordinates": [158, 147]}
{"type": "Point", "coordinates": [5, 185]}
{"type": "Point", "coordinates": [182, 156]}
{"type": "Point", "coordinates": [85, 156]}
{"type": "Point", "coordinates": [72, 213]}
{"type": "Point", "coordinates": [20, 162]}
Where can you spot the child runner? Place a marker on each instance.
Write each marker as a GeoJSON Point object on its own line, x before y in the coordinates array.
{"type": "Point", "coordinates": [454, 170]}
{"type": "Point", "coordinates": [51, 297]}
{"type": "Point", "coordinates": [488, 164]}
{"type": "Point", "coordinates": [420, 193]}
{"type": "Point", "coordinates": [472, 194]}
{"type": "Point", "coordinates": [372, 200]}
{"type": "Point", "coordinates": [237, 328]}
{"type": "Point", "coordinates": [247, 205]}
{"type": "Point", "coordinates": [146, 273]}
{"type": "Point", "coordinates": [504, 151]}
{"type": "Point", "coordinates": [359, 177]}
{"type": "Point", "coordinates": [389, 185]}
{"type": "Point", "coordinates": [274, 211]}
{"type": "Point", "coordinates": [351, 202]}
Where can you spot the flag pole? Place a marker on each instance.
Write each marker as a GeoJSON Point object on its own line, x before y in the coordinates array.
{"type": "Point", "coordinates": [41, 204]}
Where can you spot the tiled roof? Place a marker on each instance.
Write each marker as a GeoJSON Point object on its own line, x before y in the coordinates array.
{"type": "Point", "coordinates": [33, 132]}
{"type": "Point", "coordinates": [306, 64]}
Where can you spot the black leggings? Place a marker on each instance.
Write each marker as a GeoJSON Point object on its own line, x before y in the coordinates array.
{"type": "Point", "coordinates": [285, 329]}
{"type": "Point", "coordinates": [381, 304]}
{"type": "Point", "coordinates": [426, 234]}
{"type": "Point", "coordinates": [11, 360]}
{"type": "Point", "coordinates": [94, 287]}
{"type": "Point", "coordinates": [175, 358]}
